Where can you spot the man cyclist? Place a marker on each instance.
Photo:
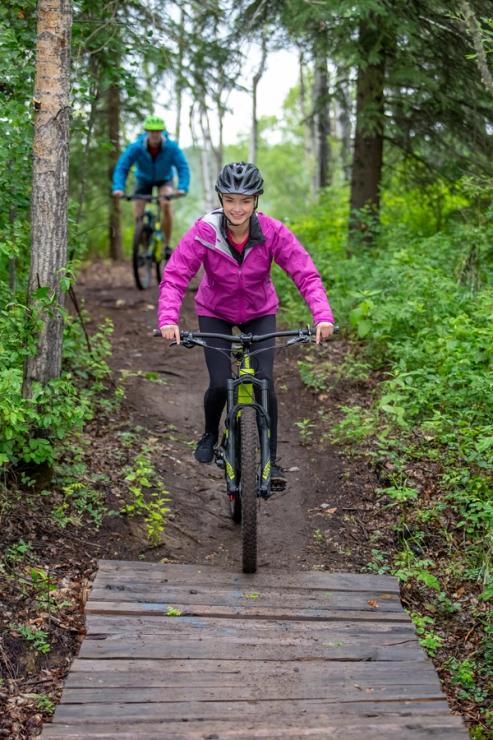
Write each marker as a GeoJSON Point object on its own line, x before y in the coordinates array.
{"type": "Point", "coordinates": [156, 157]}
{"type": "Point", "coordinates": [236, 246]}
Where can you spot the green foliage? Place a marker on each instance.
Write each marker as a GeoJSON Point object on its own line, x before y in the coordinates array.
{"type": "Point", "coordinates": [35, 637]}
{"type": "Point", "coordinates": [42, 587]}
{"type": "Point", "coordinates": [432, 335]}
{"type": "Point", "coordinates": [44, 704]}
{"type": "Point", "coordinates": [305, 430]}
{"type": "Point", "coordinates": [312, 376]}
{"type": "Point", "coordinates": [78, 500]}
{"type": "Point", "coordinates": [172, 611]}
{"type": "Point", "coordinates": [149, 497]}
{"type": "Point", "coordinates": [31, 426]}
{"type": "Point", "coordinates": [429, 639]}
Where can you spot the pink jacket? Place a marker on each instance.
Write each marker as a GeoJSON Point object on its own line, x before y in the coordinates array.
{"type": "Point", "coordinates": [234, 291]}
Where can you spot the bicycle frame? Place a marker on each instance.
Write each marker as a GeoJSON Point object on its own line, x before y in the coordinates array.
{"type": "Point", "coordinates": [241, 393]}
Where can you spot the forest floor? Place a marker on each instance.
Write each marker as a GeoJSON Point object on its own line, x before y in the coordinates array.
{"type": "Point", "coordinates": [329, 517]}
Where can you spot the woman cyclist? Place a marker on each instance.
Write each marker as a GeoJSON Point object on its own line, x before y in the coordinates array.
{"type": "Point", "coordinates": [236, 245]}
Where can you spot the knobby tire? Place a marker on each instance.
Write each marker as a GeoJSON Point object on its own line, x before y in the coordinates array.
{"type": "Point", "coordinates": [142, 270]}
{"type": "Point", "coordinates": [159, 265]}
{"type": "Point", "coordinates": [249, 447]}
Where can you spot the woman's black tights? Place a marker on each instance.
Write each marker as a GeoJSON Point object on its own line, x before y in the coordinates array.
{"type": "Point", "coordinates": [219, 367]}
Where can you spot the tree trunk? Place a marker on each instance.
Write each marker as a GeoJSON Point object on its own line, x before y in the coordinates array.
{"type": "Point", "coordinates": [115, 227]}
{"type": "Point", "coordinates": [322, 113]}
{"type": "Point", "coordinates": [220, 145]}
{"type": "Point", "coordinates": [474, 29]}
{"type": "Point", "coordinates": [208, 153]}
{"type": "Point", "coordinates": [12, 260]}
{"type": "Point", "coordinates": [50, 186]}
{"type": "Point", "coordinates": [343, 120]}
{"type": "Point", "coordinates": [307, 124]}
{"type": "Point", "coordinates": [252, 155]}
{"type": "Point", "coordinates": [368, 142]}
{"type": "Point", "coordinates": [179, 75]}
{"type": "Point", "coordinates": [94, 70]}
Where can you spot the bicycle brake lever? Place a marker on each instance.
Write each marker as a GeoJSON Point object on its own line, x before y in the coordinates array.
{"type": "Point", "coordinates": [189, 343]}
{"type": "Point", "coordinates": [298, 340]}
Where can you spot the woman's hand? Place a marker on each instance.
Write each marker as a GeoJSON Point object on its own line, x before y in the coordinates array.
{"type": "Point", "coordinates": [324, 330]}
{"type": "Point", "coordinates": [171, 331]}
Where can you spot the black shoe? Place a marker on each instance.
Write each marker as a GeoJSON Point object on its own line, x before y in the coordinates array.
{"type": "Point", "coordinates": [167, 253]}
{"type": "Point", "coordinates": [277, 478]}
{"type": "Point", "coordinates": [204, 452]}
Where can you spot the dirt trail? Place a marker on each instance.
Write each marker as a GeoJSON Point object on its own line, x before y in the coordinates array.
{"type": "Point", "coordinates": [318, 522]}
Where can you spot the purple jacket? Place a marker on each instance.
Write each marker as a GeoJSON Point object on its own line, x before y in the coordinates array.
{"type": "Point", "coordinates": [234, 289]}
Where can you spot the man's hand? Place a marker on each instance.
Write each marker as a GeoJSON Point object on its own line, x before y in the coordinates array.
{"type": "Point", "coordinates": [324, 330]}
{"type": "Point", "coordinates": [170, 332]}
{"type": "Point", "coordinates": [118, 193]}
{"type": "Point", "coordinates": [180, 193]}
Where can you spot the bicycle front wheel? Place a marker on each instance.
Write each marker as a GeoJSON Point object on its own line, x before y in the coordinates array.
{"type": "Point", "coordinates": [248, 487]}
{"type": "Point", "coordinates": [142, 257]}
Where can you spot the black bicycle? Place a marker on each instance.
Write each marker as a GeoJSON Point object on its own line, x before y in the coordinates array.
{"type": "Point", "coordinates": [244, 450]}
{"type": "Point", "coordinates": [147, 246]}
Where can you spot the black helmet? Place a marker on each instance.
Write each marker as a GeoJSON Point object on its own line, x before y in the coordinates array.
{"type": "Point", "coordinates": [240, 178]}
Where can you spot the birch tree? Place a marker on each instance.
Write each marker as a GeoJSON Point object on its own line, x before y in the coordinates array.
{"type": "Point", "coordinates": [114, 225]}
{"type": "Point", "coordinates": [252, 155]}
{"type": "Point", "coordinates": [321, 111]}
{"type": "Point", "coordinates": [49, 187]}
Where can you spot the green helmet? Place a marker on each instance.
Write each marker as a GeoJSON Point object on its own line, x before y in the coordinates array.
{"type": "Point", "coordinates": [154, 123]}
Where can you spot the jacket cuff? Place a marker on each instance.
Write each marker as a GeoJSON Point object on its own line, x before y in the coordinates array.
{"type": "Point", "coordinates": [323, 317]}
{"type": "Point", "coordinates": [167, 321]}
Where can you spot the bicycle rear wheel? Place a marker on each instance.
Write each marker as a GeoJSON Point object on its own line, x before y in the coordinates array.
{"type": "Point", "coordinates": [159, 262]}
{"type": "Point", "coordinates": [142, 257]}
{"type": "Point", "coordinates": [248, 486]}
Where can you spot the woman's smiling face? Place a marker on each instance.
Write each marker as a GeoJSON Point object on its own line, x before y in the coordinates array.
{"type": "Point", "coordinates": [238, 208]}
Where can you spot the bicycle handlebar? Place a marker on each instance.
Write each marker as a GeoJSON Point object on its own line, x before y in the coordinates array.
{"type": "Point", "coordinates": [194, 337]}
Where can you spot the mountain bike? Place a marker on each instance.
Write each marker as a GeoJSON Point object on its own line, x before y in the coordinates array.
{"type": "Point", "coordinates": [244, 450]}
{"type": "Point", "coordinates": [147, 245]}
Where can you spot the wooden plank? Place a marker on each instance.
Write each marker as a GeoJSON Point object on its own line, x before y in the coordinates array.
{"type": "Point", "coordinates": [315, 679]}
{"type": "Point", "coordinates": [151, 649]}
{"type": "Point", "coordinates": [219, 627]}
{"type": "Point", "coordinates": [225, 672]}
{"type": "Point", "coordinates": [226, 666]}
{"type": "Point", "coordinates": [316, 728]}
{"type": "Point", "coordinates": [180, 628]}
{"type": "Point", "coordinates": [244, 612]}
{"type": "Point", "coordinates": [291, 691]}
{"type": "Point", "coordinates": [308, 642]}
{"type": "Point", "coordinates": [240, 711]}
{"type": "Point", "coordinates": [275, 598]}
{"type": "Point", "coordinates": [179, 574]}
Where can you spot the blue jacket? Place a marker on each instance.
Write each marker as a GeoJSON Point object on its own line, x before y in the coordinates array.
{"type": "Point", "coordinates": [169, 159]}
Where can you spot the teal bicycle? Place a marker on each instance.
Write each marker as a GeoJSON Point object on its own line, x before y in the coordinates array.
{"type": "Point", "coordinates": [147, 243]}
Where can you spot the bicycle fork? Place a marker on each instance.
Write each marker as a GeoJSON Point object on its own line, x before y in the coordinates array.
{"type": "Point", "coordinates": [227, 456]}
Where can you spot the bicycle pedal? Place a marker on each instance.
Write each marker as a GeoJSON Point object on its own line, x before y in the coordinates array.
{"type": "Point", "coordinates": [277, 485]}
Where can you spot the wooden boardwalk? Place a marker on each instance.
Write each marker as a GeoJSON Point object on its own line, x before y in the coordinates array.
{"type": "Point", "coordinates": [182, 651]}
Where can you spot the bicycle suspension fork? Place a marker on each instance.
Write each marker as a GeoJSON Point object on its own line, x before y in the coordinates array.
{"type": "Point", "coordinates": [246, 397]}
